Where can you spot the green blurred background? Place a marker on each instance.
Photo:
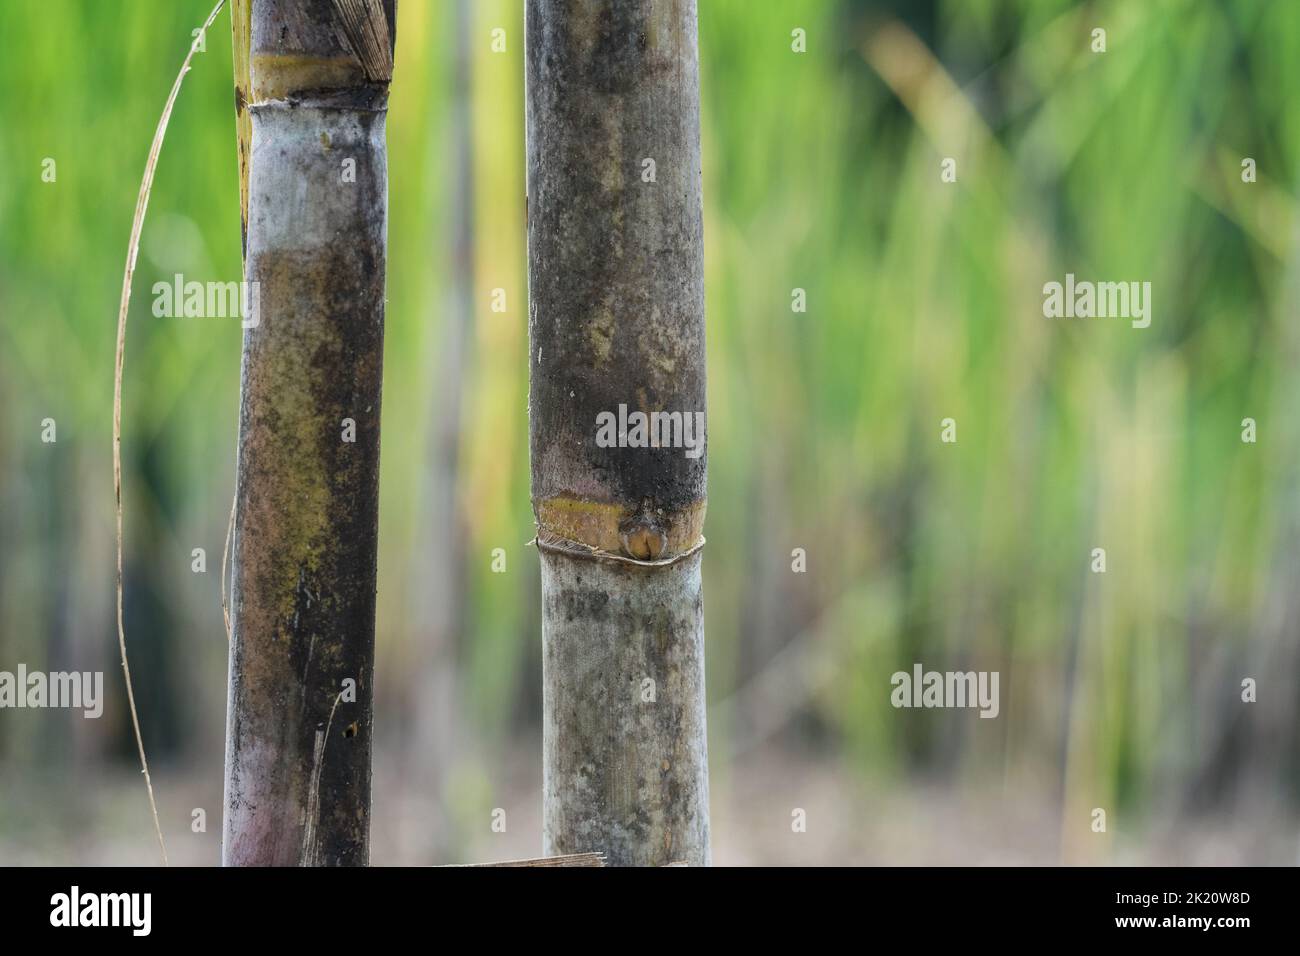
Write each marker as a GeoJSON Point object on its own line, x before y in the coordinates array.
{"type": "Point", "coordinates": [924, 301]}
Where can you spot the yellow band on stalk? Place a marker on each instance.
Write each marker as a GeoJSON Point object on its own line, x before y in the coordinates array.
{"type": "Point", "coordinates": [277, 75]}
{"type": "Point", "coordinates": [599, 525]}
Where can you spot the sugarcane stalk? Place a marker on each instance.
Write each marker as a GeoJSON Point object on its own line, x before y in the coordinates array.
{"type": "Point", "coordinates": [312, 85]}
{"type": "Point", "coordinates": [616, 326]}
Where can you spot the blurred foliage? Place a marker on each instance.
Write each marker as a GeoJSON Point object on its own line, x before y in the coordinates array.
{"type": "Point", "coordinates": [924, 302]}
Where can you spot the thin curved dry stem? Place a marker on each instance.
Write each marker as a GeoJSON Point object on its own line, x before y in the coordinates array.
{"type": "Point", "coordinates": [225, 556]}
{"type": "Point", "coordinates": [313, 795]}
{"type": "Point", "coordinates": [142, 203]}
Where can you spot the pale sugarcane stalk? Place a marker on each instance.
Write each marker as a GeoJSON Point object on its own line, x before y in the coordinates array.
{"type": "Point", "coordinates": [615, 251]}
{"type": "Point", "coordinates": [312, 80]}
